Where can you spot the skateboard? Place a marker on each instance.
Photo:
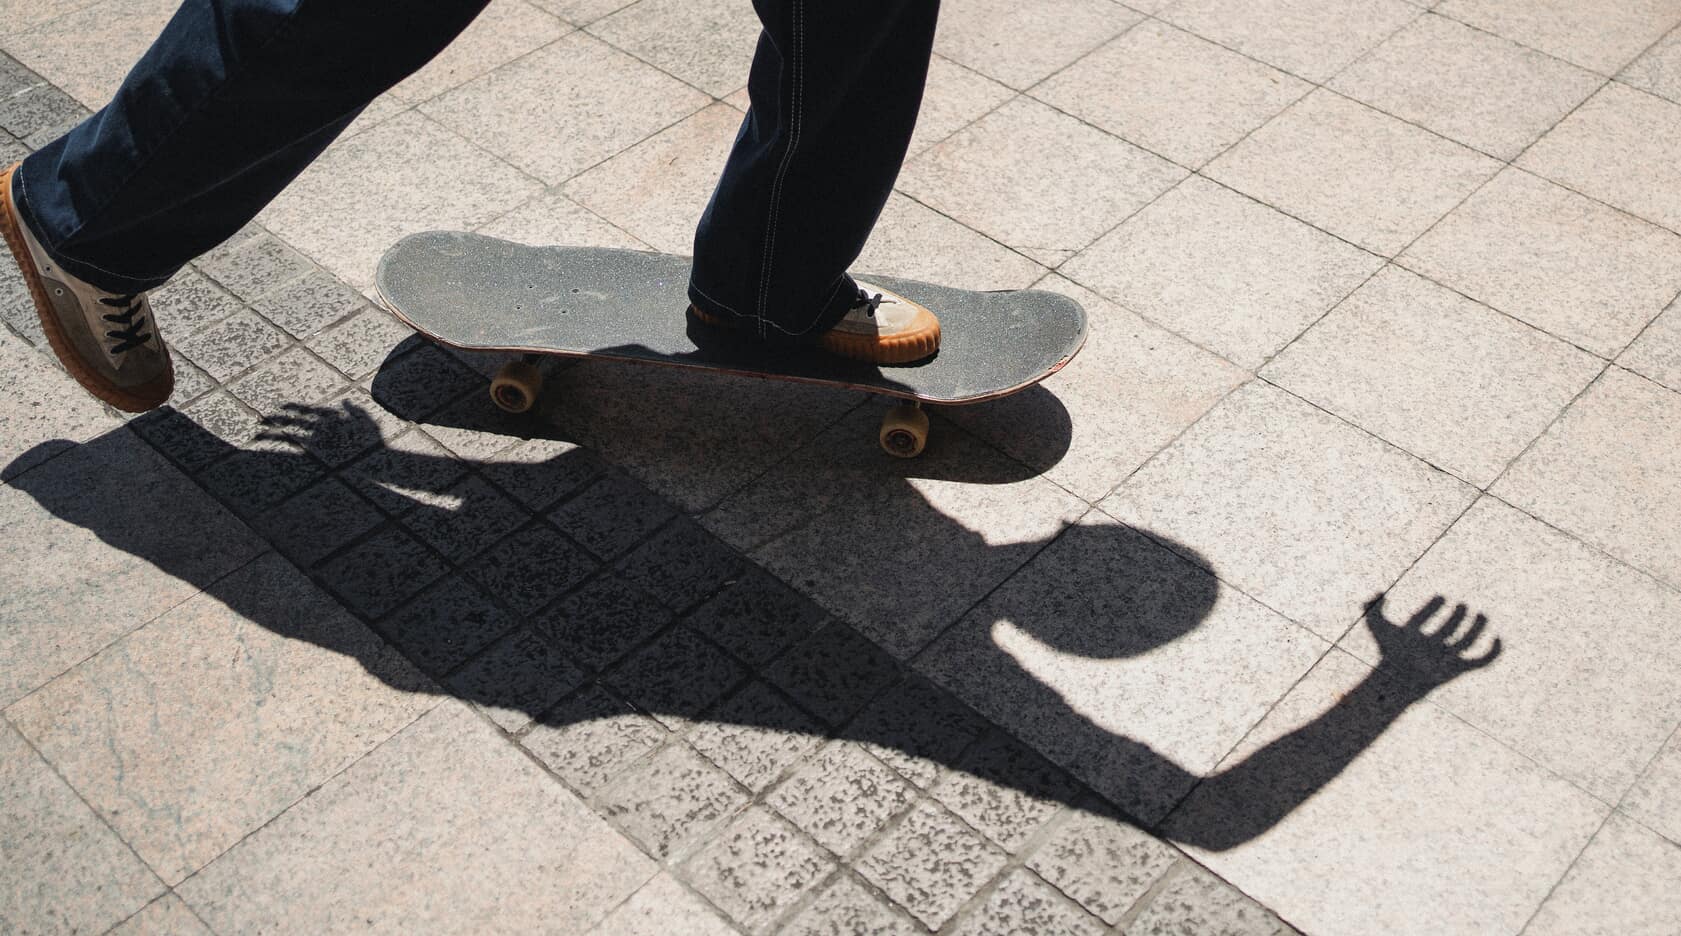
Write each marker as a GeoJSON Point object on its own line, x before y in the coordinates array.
{"type": "Point", "coordinates": [481, 293]}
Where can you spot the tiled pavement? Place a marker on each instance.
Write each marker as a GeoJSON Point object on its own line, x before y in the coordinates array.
{"type": "Point", "coordinates": [1379, 295]}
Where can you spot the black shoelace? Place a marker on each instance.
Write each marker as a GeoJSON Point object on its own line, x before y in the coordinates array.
{"type": "Point", "coordinates": [865, 299]}
{"type": "Point", "coordinates": [133, 334]}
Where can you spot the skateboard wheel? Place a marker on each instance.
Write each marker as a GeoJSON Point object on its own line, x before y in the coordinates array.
{"type": "Point", "coordinates": [516, 385]}
{"type": "Point", "coordinates": [904, 431]}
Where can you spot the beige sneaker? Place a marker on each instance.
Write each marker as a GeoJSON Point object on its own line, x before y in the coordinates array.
{"type": "Point", "coordinates": [107, 341]}
{"type": "Point", "coordinates": [882, 328]}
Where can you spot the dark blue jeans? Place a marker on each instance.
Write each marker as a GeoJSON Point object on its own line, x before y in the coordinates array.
{"type": "Point", "coordinates": [236, 97]}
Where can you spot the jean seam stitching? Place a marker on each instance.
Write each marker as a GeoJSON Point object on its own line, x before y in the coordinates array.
{"type": "Point", "coordinates": [797, 116]}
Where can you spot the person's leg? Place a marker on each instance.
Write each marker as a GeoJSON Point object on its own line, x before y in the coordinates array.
{"type": "Point", "coordinates": [835, 89]}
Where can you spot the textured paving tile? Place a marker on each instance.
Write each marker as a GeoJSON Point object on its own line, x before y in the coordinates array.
{"type": "Point", "coordinates": [757, 868]}
{"type": "Point", "coordinates": [1473, 834]}
{"type": "Point", "coordinates": [446, 624]}
{"type": "Point", "coordinates": [233, 345]}
{"type": "Point", "coordinates": [931, 864]}
{"type": "Point", "coordinates": [308, 305]}
{"type": "Point", "coordinates": [1656, 798]}
{"type": "Point", "coordinates": [1609, 471]}
{"type": "Point", "coordinates": [1424, 368]}
{"type": "Point", "coordinates": [81, 547]}
{"type": "Point", "coordinates": [1172, 93]}
{"type": "Point", "coordinates": [478, 517]}
{"type": "Point", "coordinates": [1486, 92]}
{"type": "Point", "coordinates": [756, 617]}
{"type": "Point", "coordinates": [681, 565]}
{"type": "Point", "coordinates": [707, 43]}
{"type": "Point", "coordinates": [1074, 431]}
{"type": "Point", "coordinates": [611, 515]}
{"type": "Point", "coordinates": [32, 105]}
{"type": "Point", "coordinates": [1068, 182]}
{"type": "Point", "coordinates": [43, 412]}
{"type": "Point", "coordinates": [382, 572]}
{"type": "Point", "coordinates": [1198, 902]}
{"type": "Point", "coordinates": [605, 99]}
{"type": "Point", "coordinates": [1223, 270]}
{"type": "Point", "coordinates": [602, 621]}
{"type": "Point", "coordinates": [516, 679]}
{"type": "Point", "coordinates": [531, 568]}
{"type": "Point", "coordinates": [57, 47]}
{"type": "Point", "coordinates": [1628, 881]}
{"type": "Point", "coordinates": [1592, 703]}
{"type": "Point", "coordinates": [292, 377]}
{"type": "Point", "coordinates": [406, 838]}
{"type": "Point", "coordinates": [917, 729]}
{"type": "Point", "coordinates": [676, 678]}
{"type": "Point", "coordinates": [593, 738]}
{"type": "Point", "coordinates": [1557, 260]}
{"type": "Point", "coordinates": [405, 175]}
{"type": "Point", "coordinates": [423, 381]}
{"type": "Point", "coordinates": [538, 472]}
{"type": "Point", "coordinates": [756, 735]}
{"type": "Point", "coordinates": [664, 906]}
{"type": "Point", "coordinates": [322, 518]}
{"type": "Point", "coordinates": [1311, 38]}
{"type": "Point", "coordinates": [1020, 44]}
{"type": "Point", "coordinates": [506, 30]}
{"type": "Point", "coordinates": [61, 869]}
{"type": "Point", "coordinates": [1023, 903]}
{"type": "Point", "coordinates": [834, 673]}
{"type": "Point", "coordinates": [190, 302]}
{"type": "Point", "coordinates": [253, 267]}
{"type": "Point", "coordinates": [1359, 174]}
{"type": "Point", "coordinates": [1621, 147]}
{"type": "Point", "coordinates": [1004, 790]}
{"type": "Point", "coordinates": [954, 96]}
{"type": "Point", "coordinates": [1601, 39]}
{"type": "Point", "coordinates": [847, 907]}
{"type": "Point", "coordinates": [1292, 505]}
{"type": "Point", "coordinates": [1102, 862]}
{"type": "Point", "coordinates": [1656, 354]}
{"type": "Point", "coordinates": [166, 916]}
{"type": "Point", "coordinates": [673, 801]}
{"type": "Point", "coordinates": [842, 797]}
{"type": "Point", "coordinates": [360, 344]}
{"type": "Point", "coordinates": [195, 730]}
{"type": "Point", "coordinates": [398, 474]}
{"type": "Point", "coordinates": [917, 242]}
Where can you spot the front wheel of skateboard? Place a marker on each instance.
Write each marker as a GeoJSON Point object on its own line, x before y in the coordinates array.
{"type": "Point", "coordinates": [516, 385]}
{"type": "Point", "coordinates": [904, 431]}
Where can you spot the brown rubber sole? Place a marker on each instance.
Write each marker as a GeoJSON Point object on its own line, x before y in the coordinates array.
{"type": "Point", "coordinates": [871, 350]}
{"type": "Point", "coordinates": [148, 396]}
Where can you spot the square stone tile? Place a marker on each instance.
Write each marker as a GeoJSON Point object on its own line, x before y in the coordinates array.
{"type": "Point", "coordinates": [673, 801]}
{"type": "Point", "coordinates": [405, 175]}
{"type": "Point", "coordinates": [604, 98]}
{"type": "Point", "coordinates": [351, 426]}
{"type": "Point", "coordinates": [1593, 705]}
{"type": "Point", "coordinates": [916, 728]}
{"type": "Point", "coordinates": [1561, 262]}
{"type": "Point", "coordinates": [859, 532]}
{"type": "Point", "coordinates": [56, 49]}
{"type": "Point", "coordinates": [1102, 861]}
{"type": "Point", "coordinates": [552, 218]}
{"type": "Point", "coordinates": [1020, 44]}
{"type": "Point", "coordinates": [1656, 354]}
{"type": "Point", "coordinates": [664, 906]}
{"type": "Point", "coordinates": [189, 303]}
{"type": "Point", "coordinates": [166, 916]}
{"type": "Point", "coordinates": [952, 98]}
{"type": "Point", "coordinates": [755, 617]}
{"type": "Point", "coordinates": [192, 732]}
{"type": "Point", "coordinates": [602, 621]}
{"type": "Point", "coordinates": [62, 870]}
{"type": "Point", "coordinates": [1609, 471]}
{"type": "Point", "coordinates": [842, 797]}
{"type": "Point", "coordinates": [1484, 91]}
{"type": "Point", "coordinates": [1172, 93]}
{"type": "Point", "coordinates": [848, 908]}
{"type": "Point", "coordinates": [20, 15]}
{"type": "Point", "coordinates": [681, 565]}
{"type": "Point", "coordinates": [1361, 175]}
{"type": "Point", "coordinates": [1659, 69]}
{"type": "Point", "coordinates": [254, 267]}
{"type": "Point", "coordinates": [917, 242]}
{"type": "Point", "coordinates": [516, 680]}
{"type": "Point", "coordinates": [446, 624]}
{"type": "Point", "coordinates": [834, 673]}
{"type": "Point", "coordinates": [757, 868]}
{"type": "Point", "coordinates": [1628, 881]}
{"type": "Point", "coordinates": [506, 30]}
{"type": "Point", "coordinates": [657, 189]}
{"type": "Point", "coordinates": [1098, 653]}
{"type": "Point", "coordinates": [405, 836]}
{"type": "Point", "coordinates": [1292, 505]}
{"type": "Point", "coordinates": [43, 412]}
{"type": "Point", "coordinates": [423, 381]}
{"type": "Point", "coordinates": [292, 378]}
{"type": "Point", "coordinates": [676, 678]}
{"type": "Point", "coordinates": [399, 474]}
{"type": "Point", "coordinates": [1167, 382]}
{"type": "Point", "coordinates": [1223, 270]}
{"type": "Point", "coordinates": [180, 436]}
{"type": "Point", "coordinates": [611, 515]}
{"type": "Point", "coordinates": [1069, 182]}
{"type": "Point", "coordinates": [1023, 903]}
{"type": "Point", "coordinates": [134, 557]}
{"type": "Point", "coordinates": [1473, 835]}
{"type": "Point", "coordinates": [477, 430]}
{"type": "Point", "coordinates": [592, 738]}
{"type": "Point", "coordinates": [32, 105]}
{"type": "Point", "coordinates": [1601, 39]}
{"type": "Point", "coordinates": [317, 521]}
{"type": "Point", "coordinates": [531, 568]}
{"type": "Point", "coordinates": [307, 305]}
{"type": "Point", "coordinates": [756, 735]}
{"type": "Point", "coordinates": [382, 572]}
{"type": "Point", "coordinates": [1311, 38]}
{"type": "Point", "coordinates": [1655, 799]}
{"type": "Point", "coordinates": [476, 517]}
{"type": "Point", "coordinates": [538, 472]}
{"type": "Point", "coordinates": [1455, 383]}
{"type": "Point", "coordinates": [233, 345]}
{"type": "Point", "coordinates": [1622, 147]}
{"type": "Point", "coordinates": [582, 12]}
{"type": "Point", "coordinates": [707, 43]}
{"type": "Point", "coordinates": [931, 864]}
{"type": "Point", "coordinates": [358, 346]}
{"type": "Point", "coordinates": [1198, 902]}
{"type": "Point", "coordinates": [254, 480]}
{"type": "Point", "coordinates": [1004, 790]}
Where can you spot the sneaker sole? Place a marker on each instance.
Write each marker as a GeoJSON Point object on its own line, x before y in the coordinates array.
{"type": "Point", "coordinates": [904, 350]}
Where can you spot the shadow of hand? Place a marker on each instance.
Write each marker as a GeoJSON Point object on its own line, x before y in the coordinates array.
{"type": "Point", "coordinates": [1437, 655]}
{"type": "Point", "coordinates": [317, 427]}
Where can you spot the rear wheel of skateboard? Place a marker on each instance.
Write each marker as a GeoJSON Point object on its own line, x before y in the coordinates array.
{"type": "Point", "coordinates": [516, 385]}
{"type": "Point", "coordinates": [904, 431]}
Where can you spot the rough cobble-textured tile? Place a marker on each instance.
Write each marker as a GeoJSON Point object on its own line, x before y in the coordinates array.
{"type": "Point", "coordinates": [516, 679]}
{"type": "Point", "coordinates": [1102, 861]}
{"type": "Point", "coordinates": [757, 868]}
{"type": "Point", "coordinates": [190, 303]}
{"type": "Point", "coordinates": [708, 43]}
{"type": "Point", "coordinates": [305, 306]}
{"type": "Point", "coordinates": [1311, 38]}
{"type": "Point", "coordinates": [916, 728]}
{"type": "Point", "coordinates": [475, 428]}
{"type": "Point", "coordinates": [294, 377]}
{"type": "Point", "coordinates": [358, 345]}
{"type": "Point", "coordinates": [931, 863]}
{"type": "Point", "coordinates": [233, 344]}
{"type": "Point", "coordinates": [38, 106]}
{"type": "Point", "coordinates": [382, 572]}
{"type": "Point", "coordinates": [676, 678]}
{"type": "Point", "coordinates": [756, 735]}
{"type": "Point", "coordinates": [592, 738]}
{"type": "Point", "coordinates": [602, 621]}
{"type": "Point", "coordinates": [419, 383]}
{"type": "Point", "coordinates": [848, 908]}
{"type": "Point", "coordinates": [253, 480]}
{"type": "Point", "coordinates": [340, 429]}
{"type": "Point", "coordinates": [756, 617]}
{"type": "Point", "coordinates": [681, 565]}
{"type": "Point", "coordinates": [180, 436]}
{"type": "Point", "coordinates": [255, 267]}
{"type": "Point", "coordinates": [444, 626]}
{"type": "Point", "coordinates": [404, 472]}
{"type": "Point", "coordinates": [531, 568]}
{"type": "Point", "coordinates": [834, 673]}
{"type": "Point", "coordinates": [308, 526]}
{"type": "Point", "coordinates": [473, 516]}
{"type": "Point", "coordinates": [1022, 903]}
{"type": "Point", "coordinates": [538, 472]}
{"type": "Point", "coordinates": [841, 797]}
{"type": "Point", "coordinates": [191, 382]}
{"type": "Point", "coordinates": [1198, 902]}
{"type": "Point", "coordinates": [672, 801]}
{"type": "Point", "coordinates": [611, 515]}
{"type": "Point", "coordinates": [1005, 790]}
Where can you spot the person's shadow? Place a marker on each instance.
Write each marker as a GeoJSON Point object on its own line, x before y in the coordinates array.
{"type": "Point", "coordinates": [1167, 597]}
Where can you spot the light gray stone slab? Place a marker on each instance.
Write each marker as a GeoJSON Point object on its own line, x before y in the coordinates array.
{"type": "Point", "coordinates": [1622, 147]}
{"type": "Point", "coordinates": [198, 728]}
{"type": "Point", "coordinates": [582, 12]}
{"type": "Point", "coordinates": [83, 549]}
{"type": "Point", "coordinates": [1656, 354]}
{"type": "Point", "coordinates": [1223, 270]}
{"type": "Point", "coordinates": [1172, 92]}
{"type": "Point", "coordinates": [662, 907]}
{"type": "Point", "coordinates": [61, 869]}
{"type": "Point", "coordinates": [1292, 505]}
{"type": "Point", "coordinates": [1472, 835]}
{"type": "Point", "coordinates": [605, 100]}
{"type": "Point", "coordinates": [444, 829]}
{"type": "Point", "coordinates": [1627, 883]}
{"type": "Point", "coordinates": [915, 241]}
{"type": "Point", "coordinates": [166, 916]}
{"type": "Point", "coordinates": [57, 48]}
{"type": "Point", "coordinates": [506, 30]}
{"type": "Point", "coordinates": [43, 411]}
{"type": "Point", "coordinates": [757, 868]}
{"type": "Point", "coordinates": [1601, 38]}
{"type": "Point", "coordinates": [931, 864]}
{"type": "Point", "coordinates": [1609, 471]}
{"type": "Point", "coordinates": [1102, 861]}
{"type": "Point", "coordinates": [1024, 903]}
{"type": "Point", "coordinates": [1454, 382]}
{"type": "Point", "coordinates": [1659, 69]}
{"type": "Point", "coordinates": [1484, 91]}
{"type": "Point", "coordinates": [953, 98]}
{"type": "Point", "coordinates": [1655, 799]}
{"type": "Point", "coordinates": [1311, 38]}
{"type": "Point", "coordinates": [1020, 44]}
{"type": "Point", "coordinates": [1198, 902]}
{"type": "Point", "coordinates": [1561, 262]}
{"type": "Point", "coordinates": [707, 43]}
{"type": "Point", "coordinates": [1069, 182]}
{"type": "Point", "coordinates": [20, 15]}
{"type": "Point", "coordinates": [1350, 170]}
{"type": "Point", "coordinates": [552, 218]}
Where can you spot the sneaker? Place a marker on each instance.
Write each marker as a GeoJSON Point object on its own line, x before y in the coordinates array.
{"type": "Point", "coordinates": [883, 327]}
{"type": "Point", "coordinates": [107, 341]}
